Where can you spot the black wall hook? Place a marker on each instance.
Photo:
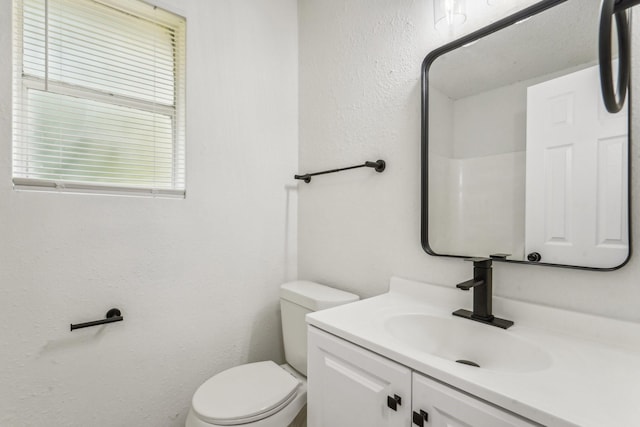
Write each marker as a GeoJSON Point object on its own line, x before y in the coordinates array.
{"type": "Point", "coordinates": [113, 315]}
{"type": "Point", "coordinates": [378, 165]}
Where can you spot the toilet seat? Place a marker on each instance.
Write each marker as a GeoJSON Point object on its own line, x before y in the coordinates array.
{"type": "Point", "coordinates": [244, 394]}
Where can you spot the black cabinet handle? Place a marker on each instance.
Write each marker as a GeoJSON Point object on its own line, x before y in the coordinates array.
{"type": "Point", "coordinates": [394, 402]}
{"type": "Point", "coordinates": [420, 418]}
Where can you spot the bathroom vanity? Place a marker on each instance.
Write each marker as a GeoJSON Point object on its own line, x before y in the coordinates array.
{"type": "Point", "coordinates": [402, 359]}
{"type": "Point", "coordinates": [355, 381]}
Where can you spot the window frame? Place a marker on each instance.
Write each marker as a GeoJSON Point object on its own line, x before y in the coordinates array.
{"type": "Point", "coordinates": [23, 82]}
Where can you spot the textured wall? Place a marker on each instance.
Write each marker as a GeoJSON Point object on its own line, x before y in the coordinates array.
{"type": "Point", "coordinates": [197, 279]}
{"type": "Point", "coordinates": [360, 99]}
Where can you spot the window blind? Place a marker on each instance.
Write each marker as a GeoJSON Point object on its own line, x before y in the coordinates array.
{"type": "Point", "coordinates": [98, 96]}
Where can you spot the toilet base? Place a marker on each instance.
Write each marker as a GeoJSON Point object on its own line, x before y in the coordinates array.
{"type": "Point", "coordinates": [301, 419]}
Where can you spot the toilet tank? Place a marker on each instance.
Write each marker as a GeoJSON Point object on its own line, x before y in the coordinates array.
{"type": "Point", "coordinates": [296, 300]}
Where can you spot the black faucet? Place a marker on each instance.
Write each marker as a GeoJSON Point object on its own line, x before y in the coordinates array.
{"type": "Point", "coordinates": [482, 295]}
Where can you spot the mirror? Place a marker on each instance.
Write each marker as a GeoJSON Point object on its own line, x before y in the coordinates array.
{"type": "Point", "coordinates": [521, 161]}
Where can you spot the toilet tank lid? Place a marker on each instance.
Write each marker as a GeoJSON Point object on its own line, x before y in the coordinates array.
{"type": "Point", "coordinates": [314, 296]}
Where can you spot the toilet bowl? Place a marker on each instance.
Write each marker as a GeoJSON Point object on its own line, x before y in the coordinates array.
{"type": "Point", "coordinates": [263, 394]}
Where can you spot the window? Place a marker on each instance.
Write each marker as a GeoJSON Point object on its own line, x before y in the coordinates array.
{"type": "Point", "coordinates": [98, 97]}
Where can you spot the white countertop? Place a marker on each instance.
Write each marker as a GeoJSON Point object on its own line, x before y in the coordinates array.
{"type": "Point", "coordinates": [593, 378]}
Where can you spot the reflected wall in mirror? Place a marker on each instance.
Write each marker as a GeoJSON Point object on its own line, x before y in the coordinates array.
{"type": "Point", "coordinates": [520, 158]}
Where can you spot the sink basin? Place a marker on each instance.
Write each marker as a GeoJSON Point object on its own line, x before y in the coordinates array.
{"type": "Point", "coordinates": [459, 339]}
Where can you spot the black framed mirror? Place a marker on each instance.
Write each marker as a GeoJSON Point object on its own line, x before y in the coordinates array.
{"type": "Point", "coordinates": [521, 161]}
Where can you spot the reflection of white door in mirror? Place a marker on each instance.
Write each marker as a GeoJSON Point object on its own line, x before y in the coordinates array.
{"type": "Point", "coordinates": [576, 185]}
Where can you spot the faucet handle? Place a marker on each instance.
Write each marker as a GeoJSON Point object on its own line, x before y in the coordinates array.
{"type": "Point", "coordinates": [468, 284]}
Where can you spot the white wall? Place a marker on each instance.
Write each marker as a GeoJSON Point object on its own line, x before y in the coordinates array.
{"type": "Point", "coordinates": [360, 99]}
{"type": "Point", "coordinates": [494, 122]}
{"type": "Point", "coordinates": [197, 279]}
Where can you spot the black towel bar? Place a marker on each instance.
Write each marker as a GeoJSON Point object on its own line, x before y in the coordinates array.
{"type": "Point", "coordinates": [113, 315]}
{"type": "Point", "coordinates": [378, 165]}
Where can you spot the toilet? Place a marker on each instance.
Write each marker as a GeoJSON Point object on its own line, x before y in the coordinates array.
{"type": "Point", "coordinates": [265, 394]}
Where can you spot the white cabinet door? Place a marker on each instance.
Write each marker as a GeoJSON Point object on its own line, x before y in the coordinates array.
{"type": "Point", "coordinates": [443, 406]}
{"type": "Point", "coordinates": [350, 387]}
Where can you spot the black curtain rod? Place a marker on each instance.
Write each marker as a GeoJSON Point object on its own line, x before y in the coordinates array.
{"type": "Point", "coordinates": [378, 165]}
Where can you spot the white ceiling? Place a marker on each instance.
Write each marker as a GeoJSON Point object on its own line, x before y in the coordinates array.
{"type": "Point", "coordinates": [560, 38]}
